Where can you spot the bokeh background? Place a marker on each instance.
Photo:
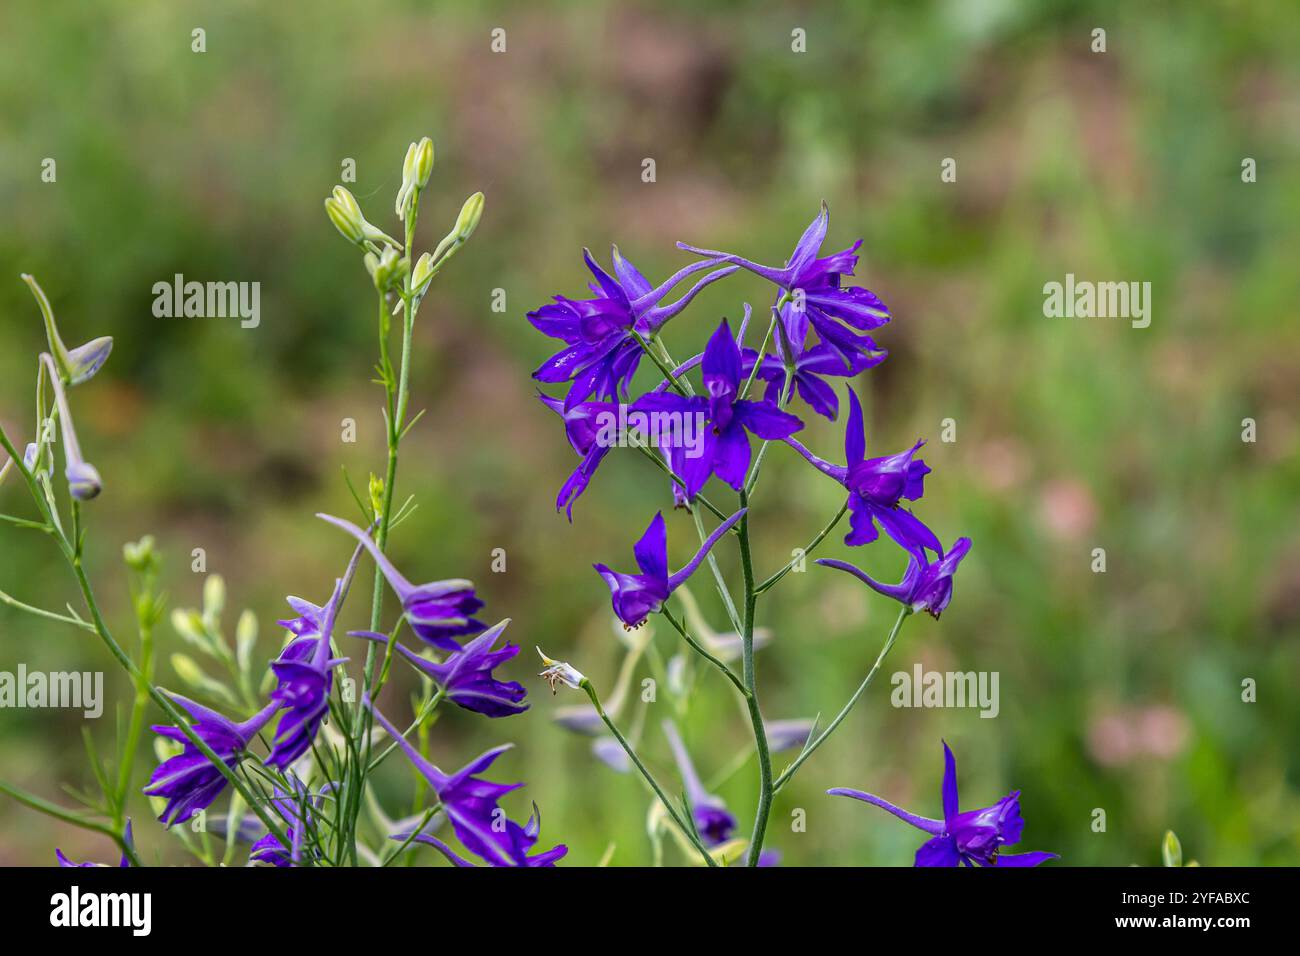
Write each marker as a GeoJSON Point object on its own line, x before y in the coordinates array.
{"type": "Point", "coordinates": [1120, 691]}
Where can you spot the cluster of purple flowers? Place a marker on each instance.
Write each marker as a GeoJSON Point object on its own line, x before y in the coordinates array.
{"type": "Point", "coordinates": [606, 336]}
{"type": "Point", "coordinates": [820, 330]}
{"type": "Point", "coordinates": [440, 614]}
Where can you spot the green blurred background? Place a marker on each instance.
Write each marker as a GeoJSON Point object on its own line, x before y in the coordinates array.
{"type": "Point", "coordinates": [1119, 691]}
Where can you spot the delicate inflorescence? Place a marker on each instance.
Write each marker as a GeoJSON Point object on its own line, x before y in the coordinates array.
{"type": "Point", "coordinates": [302, 802]}
{"type": "Point", "coordinates": [817, 331]}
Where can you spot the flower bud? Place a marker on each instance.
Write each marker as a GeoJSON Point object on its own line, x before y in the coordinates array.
{"type": "Point", "coordinates": [470, 214]}
{"type": "Point", "coordinates": [466, 223]}
{"type": "Point", "coordinates": [85, 360]}
{"type": "Point", "coordinates": [84, 482]}
{"type": "Point", "coordinates": [346, 215]}
{"type": "Point", "coordinates": [386, 270]}
{"type": "Point", "coordinates": [140, 555]}
{"type": "Point", "coordinates": [80, 364]}
{"type": "Point", "coordinates": [423, 162]}
{"type": "Point", "coordinates": [422, 274]}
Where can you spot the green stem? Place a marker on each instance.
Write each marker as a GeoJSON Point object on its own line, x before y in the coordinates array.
{"type": "Point", "coordinates": [703, 652]}
{"type": "Point", "coordinates": [136, 724]}
{"type": "Point", "coordinates": [765, 790]}
{"type": "Point", "coordinates": [41, 612]}
{"type": "Point", "coordinates": [40, 805]}
{"type": "Point", "coordinates": [106, 636]}
{"type": "Point", "coordinates": [810, 747]}
{"type": "Point", "coordinates": [821, 536]}
{"type": "Point", "coordinates": [719, 581]}
{"type": "Point", "coordinates": [649, 777]}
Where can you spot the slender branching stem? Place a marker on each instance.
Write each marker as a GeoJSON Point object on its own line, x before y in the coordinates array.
{"type": "Point", "coordinates": [669, 806]}
{"type": "Point", "coordinates": [812, 546]}
{"type": "Point", "coordinates": [811, 746]}
{"type": "Point", "coordinates": [704, 652]}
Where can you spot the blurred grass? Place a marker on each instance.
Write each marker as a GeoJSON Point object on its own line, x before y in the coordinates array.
{"type": "Point", "coordinates": [1119, 691]}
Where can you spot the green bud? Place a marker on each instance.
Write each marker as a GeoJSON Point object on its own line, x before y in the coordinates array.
{"type": "Point", "coordinates": [1171, 850]}
{"type": "Point", "coordinates": [245, 639]}
{"type": "Point", "coordinates": [376, 495]}
{"type": "Point", "coordinates": [466, 223]}
{"type": "Point", "coordinates": [193, 675]}
{"type": "Point", "coordinates": [345, 213]}
{"type": "Point", "coordinates": [422, 274]}
{"type": "Point", "coordinates": [189, 625]}
{"type": "Point", "coordinates": [387, 270]}
{"type": "Point", "coordinates": [423, 162]}
{"type": "Point", "coordinates": [140, 555]}
{"type": "Point", "coordinates": [214, 597]}
{"type": "Point", "coordinates": [470, 214]}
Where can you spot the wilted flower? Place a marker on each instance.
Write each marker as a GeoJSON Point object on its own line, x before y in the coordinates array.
{"type": "Point", "coordinates": [465, 677]}
{"type": "Point", "coordinates": [583, 718]}
{"type": "Point", "coordinates": [926, 586]}
{"type": "Point", "coordinates": [127, 836]}
{"type": "Point", "coordinates": [558, 672]}
{"type": "Point", "coordinates": [438, 612]}
{"type": "Point", "coordinates": [973, 837]}
{"type": "Point", "coordinates": [188, 781]}
{"type": "Point", "coordinates": [637, 595]}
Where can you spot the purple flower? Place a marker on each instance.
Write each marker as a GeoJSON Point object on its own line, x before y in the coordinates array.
{"type": "Point", "coordinates": [973, 837]}
{"type": "Point", "coordinates": [926, 586]}
{"type": "Point", "coordinates": [438, 612]}
{"type": "Point", "coordinates": [515, 842]}
{"type": "Point", "coordinates": [712, 819]}
{"type": "Point", "coordinates": [810, 365]}
{"type": "Point", "coordinates": [582, 431]}
{"type": "Point", "coordinates": [469, 802]}
{"type": "Point", "coordinates": [466, 676]}
{"type": "Point", "coordinates": [188, 781]}
{"type": "Point", "coordinates": [602, 353]}
{"type": "Point", "coordinates": [292, 809]}
{"type": "Point", "coordinates": [816, 283]}
{"type": "Point", "coordinates": [637, 595]}
{"type": "Point", "coordinates": [127, 836]}
{"type": "Point", "coordinates": [306, 673]}
{"type": "Point", "coordinates": [725, 448]}
{"type": "Point", "coordinates": [877, 486]}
